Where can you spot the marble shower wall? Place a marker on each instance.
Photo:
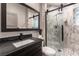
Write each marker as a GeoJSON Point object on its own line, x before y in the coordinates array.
{"type": "Point", "coordinates": [71, 38]}
{"type": "Point", "coordinates": [71, 31]}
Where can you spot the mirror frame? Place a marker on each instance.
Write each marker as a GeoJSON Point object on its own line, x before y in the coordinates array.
{"type": "Point", "coordinates": [3, 19]}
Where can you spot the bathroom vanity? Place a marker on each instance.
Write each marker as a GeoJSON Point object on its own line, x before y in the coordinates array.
{"type": "Point", "coordinates": [25, 18]}
{"type": "Point", "coordinates": [25, 45]}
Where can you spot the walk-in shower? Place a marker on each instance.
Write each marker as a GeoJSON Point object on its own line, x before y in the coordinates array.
{"type": "Point", "coordinates": [59, 34]}
{"type": "Point", "coordinates": [54, 29]}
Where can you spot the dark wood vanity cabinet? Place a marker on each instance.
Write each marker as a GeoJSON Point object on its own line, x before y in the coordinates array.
{"type": "Point", "coordinates": [32, 50]}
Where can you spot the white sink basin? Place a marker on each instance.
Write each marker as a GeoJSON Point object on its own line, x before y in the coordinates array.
{"type": "Point", "coordinates": [21, 43]}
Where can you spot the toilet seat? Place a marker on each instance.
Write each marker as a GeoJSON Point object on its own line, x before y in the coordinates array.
{"type": "Point", "coordinates": [49, 51]}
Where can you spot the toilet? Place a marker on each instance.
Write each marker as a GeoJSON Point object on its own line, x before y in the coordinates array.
{"type": "Point", "coordinates": [47, 51]}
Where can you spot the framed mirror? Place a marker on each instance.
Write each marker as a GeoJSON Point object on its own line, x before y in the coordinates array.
{"type": "Point", "coordinates": [19, 17]}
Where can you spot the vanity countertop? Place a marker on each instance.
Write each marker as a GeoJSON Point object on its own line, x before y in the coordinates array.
{"type": "Point", "coordinates": [8, 47]}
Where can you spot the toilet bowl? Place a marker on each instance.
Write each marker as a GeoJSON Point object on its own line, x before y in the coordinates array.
{"type": "Point", "coordinates": [48, 51]}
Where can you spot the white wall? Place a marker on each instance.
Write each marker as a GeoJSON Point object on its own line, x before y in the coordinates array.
{"type": "Point", "coordinates": [43, 8]}
{"type": "Point", "coordinates": [7, 34]}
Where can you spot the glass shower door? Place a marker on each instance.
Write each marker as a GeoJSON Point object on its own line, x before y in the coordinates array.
{"type": "Point", "coordinates": [54, 30]}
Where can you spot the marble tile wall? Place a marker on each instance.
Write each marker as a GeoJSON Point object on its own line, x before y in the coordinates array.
{"type": "Point", "coordinates": [71, 31]}
{"type": "Point", "coordinates": [71, 38]}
